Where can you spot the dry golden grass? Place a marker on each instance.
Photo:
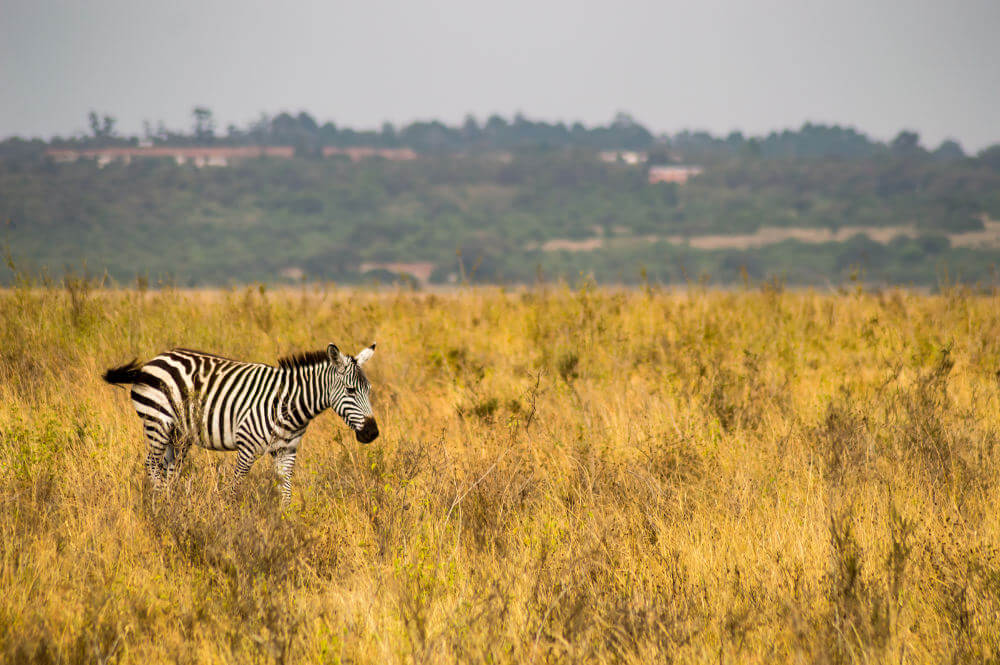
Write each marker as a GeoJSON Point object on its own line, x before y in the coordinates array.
{"type": "Point", "coordinates": [562, 476]}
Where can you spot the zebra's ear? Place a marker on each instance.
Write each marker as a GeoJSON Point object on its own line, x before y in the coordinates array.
{"type": "Point", "coordinates": [365, 355]}
{"type": "Point", "coordinates": [336, 357]}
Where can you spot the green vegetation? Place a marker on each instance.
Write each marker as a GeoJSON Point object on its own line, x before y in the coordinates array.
{"type": "Point", "coordinates": [483, 215]}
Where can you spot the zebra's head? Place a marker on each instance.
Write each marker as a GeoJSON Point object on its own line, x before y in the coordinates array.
{"type": "Point", "coordinates": [349, 392]}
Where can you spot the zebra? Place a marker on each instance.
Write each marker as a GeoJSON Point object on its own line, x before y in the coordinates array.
{"type": "Point", "coordinates": [185, 396]}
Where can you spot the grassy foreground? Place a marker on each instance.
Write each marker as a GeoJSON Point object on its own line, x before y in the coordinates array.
{"type": "Point", "coordinates": [562, 476]}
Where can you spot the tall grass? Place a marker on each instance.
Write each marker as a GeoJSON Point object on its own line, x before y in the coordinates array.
{"type": "Point", "coordinates": [562, 476]}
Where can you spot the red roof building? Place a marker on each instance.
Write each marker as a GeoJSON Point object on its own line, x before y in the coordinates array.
{"type": "Point", "coordinates": [216, 155]}
{"type": "Point", "coordinates": [197, 155]}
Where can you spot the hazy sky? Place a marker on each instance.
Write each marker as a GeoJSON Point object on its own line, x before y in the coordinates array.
{"type": "Point", "coordinates": [878, 65]}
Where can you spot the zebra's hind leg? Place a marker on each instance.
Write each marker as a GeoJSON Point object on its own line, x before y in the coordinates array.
{"type": "Point", "coordinates": [167, 463]}
{"type": "Point", "coordinates": [175, 455]}
{"type": "Point", "coordinates": [246, 455]}
{"type": "Point", "coordinates": [159, 436]}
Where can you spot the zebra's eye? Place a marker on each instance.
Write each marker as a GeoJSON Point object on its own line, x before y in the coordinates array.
{"type": "Point", "coordinates": [352, 391]}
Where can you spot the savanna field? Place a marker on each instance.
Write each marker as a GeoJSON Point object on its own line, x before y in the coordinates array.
{"type": "Point", "coordinates": [563, 475]}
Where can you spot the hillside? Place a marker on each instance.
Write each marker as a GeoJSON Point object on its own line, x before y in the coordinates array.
{"type": "Point", "coordinates": [887, 214]}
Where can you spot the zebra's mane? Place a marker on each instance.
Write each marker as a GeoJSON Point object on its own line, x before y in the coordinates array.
{"type": "Point", "coordinates": [303, 359]}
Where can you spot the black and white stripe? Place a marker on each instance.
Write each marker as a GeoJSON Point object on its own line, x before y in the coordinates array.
{"type": "Point", "coordinates": [185, 396]}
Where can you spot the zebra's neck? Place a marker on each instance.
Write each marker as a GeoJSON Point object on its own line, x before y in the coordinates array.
{"type": "Point", "coordinates": [309, 392]}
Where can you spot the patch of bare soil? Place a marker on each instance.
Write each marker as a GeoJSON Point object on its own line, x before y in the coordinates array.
{"type": "Point", "coordinates": [770, 235]}
{"type": "Point", "coordinates": [987, 238]}
{"type": "Point", "coordinates": [567, 245]}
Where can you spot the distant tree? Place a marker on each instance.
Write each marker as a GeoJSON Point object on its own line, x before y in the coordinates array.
{"type": "Point", "coordinates": [300, 131]}
{"type": "Point", "coordinates": [470, 128]}
{"type": "Point", "coordinates": [388, 134]}
{"type": "Point", "coordinates": [496, 123]}
{"type": "Point", "coordinates": [818, 141]}
{"type": "Point", "coordinates": [949, 150]}
{"type": "Point", "coordinates": [260, 129]}
{"type": "Point", "coordinates": [204, 124]}
{"type": "Point", "coordinates": [328, 133]}
{"type": "Point", "coordinates": [623, 120]}
{"type": "Point", "coordinates": [990, 157]}
{"type": "Point", "coordinates": [659, 153]}
{"type": "Point", "coordinates": [101, 128]}
{"type": "Point", "coordinates": [283, 125]}
{"type": "Point", "coordinates": [307, 124]}
{"type": "Point", "coordinates": [234, 134]}
{"type": "Point", "coordinates": [431, 136]}
{"type": "Point", "coordinates": [905, 143]}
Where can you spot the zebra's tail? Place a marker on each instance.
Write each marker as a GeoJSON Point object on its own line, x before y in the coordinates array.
{"type": "Point", "coordinates": [127, 373]}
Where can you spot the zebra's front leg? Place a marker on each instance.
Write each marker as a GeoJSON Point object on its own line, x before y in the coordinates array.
{"type": "Point", "coordinates": [246, 455]}
{"type": "Point", "coordinates": [284, 465]}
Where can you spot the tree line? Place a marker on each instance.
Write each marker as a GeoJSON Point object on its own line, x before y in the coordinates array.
{"type": "Point", "coordinates": [489, 219]}
{"type": "Point", "coordinates": [623, 132]}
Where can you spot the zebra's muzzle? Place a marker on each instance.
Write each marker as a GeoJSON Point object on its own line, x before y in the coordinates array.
{"type": "Point", "coordinates": [368, 431]}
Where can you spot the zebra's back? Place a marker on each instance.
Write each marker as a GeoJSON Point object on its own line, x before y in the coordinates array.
{"type": "Point", "coordinates": [207, 397]}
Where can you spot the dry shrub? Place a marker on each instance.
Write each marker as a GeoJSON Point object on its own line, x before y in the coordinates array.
{"type": "Point", "coordinates": [858, 619]}
{"type": "Point", "coordinates": [843, 441]}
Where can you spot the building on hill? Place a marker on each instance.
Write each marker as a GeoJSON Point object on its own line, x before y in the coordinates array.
{"type": "Point", "coordinates": [630, 157]}
{"type": "Point", "coordinates": [673, 173]}
{"type": "Point", "coordinates": [201, 156]}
